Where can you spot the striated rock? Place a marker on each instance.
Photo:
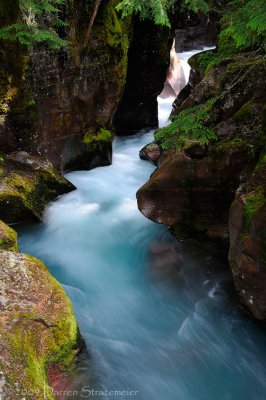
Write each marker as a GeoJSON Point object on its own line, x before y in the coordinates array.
{"type": "Point", "coordinates": [8, 238]}
{"type": "Point", "coordinates": [247, 255]}
{"type": "Point", "coordinates": [51, 99]}
{"type": "Point", "coordinates": [37, 327]}
{"type": "Point", "coordinates": [27, 183]}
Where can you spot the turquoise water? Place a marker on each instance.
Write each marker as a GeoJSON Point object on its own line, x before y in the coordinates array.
{"type": "Point", "coordinates": [159, 317]}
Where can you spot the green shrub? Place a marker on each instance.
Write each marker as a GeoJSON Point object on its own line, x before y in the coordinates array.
{"type": "Point", "coordinates": [191, 124]}
{"type": "Point", "coordinates": [37, 23]}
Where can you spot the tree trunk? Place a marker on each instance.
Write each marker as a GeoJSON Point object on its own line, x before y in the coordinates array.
{"type": "Point", "coordinates": [92, 19]}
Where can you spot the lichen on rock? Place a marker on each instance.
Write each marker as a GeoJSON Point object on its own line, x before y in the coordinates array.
{"type": "Point", "coordinates": [37, 327]}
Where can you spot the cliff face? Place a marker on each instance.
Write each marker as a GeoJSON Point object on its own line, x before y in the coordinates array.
{"type": "Point", "coordinates": [59, 103]}
{"type": "Point", "coordinates": [148, 60]}
{"type": "Point", "coordinates": [215, 189]}
{"type": "Point", "coordinates": [247, 254]}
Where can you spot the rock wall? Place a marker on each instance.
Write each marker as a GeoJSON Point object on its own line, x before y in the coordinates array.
{"type": "Point", "coordinates": [52, 101]}
{"type": "Point", "coordinates": [148, 61]}
{"type": "Point", "coordinates": [247, 254]}
{"type": "Point", "coordinates": [200, 186]}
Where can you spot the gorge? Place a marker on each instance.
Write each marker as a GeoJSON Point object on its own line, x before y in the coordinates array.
{"type": "Point", "coordinates": [168, 306]}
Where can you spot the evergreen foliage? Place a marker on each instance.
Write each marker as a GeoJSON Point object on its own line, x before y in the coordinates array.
{"type": "Point", "coordinates": [245, 23]}
{"type": "Point", "coordinates": [191, 124]}
{"type": "Point", "coordinates": [32, 26]}
{"type": "Point", "coordinates": [196, 6]}
{"type": "Point", "coordinates": [157, 10]}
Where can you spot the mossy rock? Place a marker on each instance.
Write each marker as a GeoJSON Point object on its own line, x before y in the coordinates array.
{"type": "Point", "coordinates": [28, 183]}
{"type": "Point", "coordinates": [204, 60]}
{"type": "Point", "coordinates": [8, 238]}
{"type": "Point", "coordinates": [37, 326]}
{"type": "Point", "coordinates": [97, 140]}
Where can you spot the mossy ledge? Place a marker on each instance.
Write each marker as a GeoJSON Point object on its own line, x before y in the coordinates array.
{"type": "Point", "coordinates": [28, 183]}
{"type": "Point", "coordinates": [37, 326]}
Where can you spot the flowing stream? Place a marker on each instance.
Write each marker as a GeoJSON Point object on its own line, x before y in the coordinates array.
{"type": "Point", "coordinates": [159, 317]}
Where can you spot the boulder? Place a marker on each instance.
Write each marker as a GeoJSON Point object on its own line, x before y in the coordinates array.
{"type": "Point", "coordinates": [27, 184]}
{"type": "Point", "coordinates": [192, 196]}
{"type": "Point", "coordinates": [37, 327]}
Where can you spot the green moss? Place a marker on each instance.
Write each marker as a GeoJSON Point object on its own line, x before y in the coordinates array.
{"type": "Point", "coordinates": [98, 142]}
{"type": "Point", "coordinates": [210, 160]}
{"type": "Point", "coordinates": [204, 60]}
{"type": "Point", "coordinates": [244, 114]}
{"type": "Point", "coordinates": [36, 337]}
{"type": "Point", "coordinates": [112, 34]}
{"type": "Point", "coordinates": [253, 202]}
{"type": "Point", "coordinates": [239, 69]}
{"type": "Point", "coordinates": [236, 143]}
{"type": "Point", "coordinates": [104, 135]}
{"type": "Point", "coordinates": [8, 238]}
{"type": "Point", "coordinates": [23, 195]}
{"type": "Point", "coordinates": [262, 161]}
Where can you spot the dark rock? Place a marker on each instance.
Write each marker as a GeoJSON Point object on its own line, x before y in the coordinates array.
{"type": "Point", "coordinates": [195, 150]}
{"type": "Point", "coordinates": [190, 39]}
{"type": "Point", "coordinates": [196, 31]}
{"type": "Point", "coordinates": [148, 61]}
{"type": "Point", "coordinates": [183, 95]}
{"type": "Point", "coordinates": [247, 255]}
{"type": "Point", "coordinates": [51, 99]}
